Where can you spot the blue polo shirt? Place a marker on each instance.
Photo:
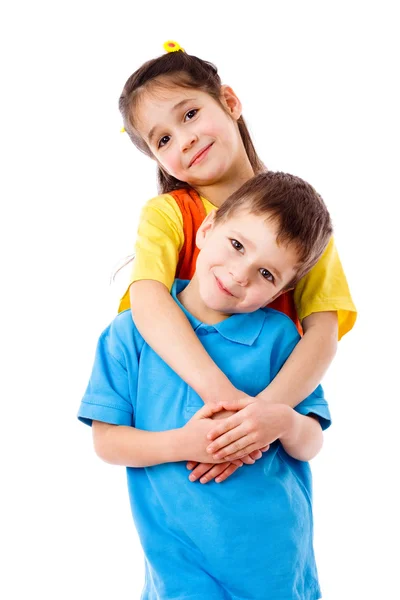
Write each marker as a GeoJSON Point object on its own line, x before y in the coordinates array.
{"type": "Point", "coordinates": [249, 538]}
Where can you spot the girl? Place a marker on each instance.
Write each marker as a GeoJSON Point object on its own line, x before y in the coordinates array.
{"type": "Point", "coordinates": [176, 111]}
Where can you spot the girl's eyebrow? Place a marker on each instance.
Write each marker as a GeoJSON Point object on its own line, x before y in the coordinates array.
{"type": "Point", "coordinates": [175, 108]}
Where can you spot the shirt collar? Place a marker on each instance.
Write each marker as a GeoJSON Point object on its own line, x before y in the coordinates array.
{"type": "Point", "coordinates": [242, 328]}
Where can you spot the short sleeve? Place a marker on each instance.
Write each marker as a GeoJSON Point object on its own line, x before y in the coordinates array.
{"type": "Point", "coordinates": [159, 240]}
{"type": "Point", "coordinates": [109, 394]}
{"type": "Point", "coordinates": [325, 288]}
{"type": "Point", "coordinates": [316, 405]}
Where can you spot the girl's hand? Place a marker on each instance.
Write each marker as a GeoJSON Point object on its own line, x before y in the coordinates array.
{"type": "Point", "coordinates": [254, 427]}
{"type": "Point", "coordinates": [206, 471]}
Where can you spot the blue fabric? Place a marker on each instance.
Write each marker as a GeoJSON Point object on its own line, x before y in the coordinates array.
{"type": "Point", "coordinates": [249, 538]}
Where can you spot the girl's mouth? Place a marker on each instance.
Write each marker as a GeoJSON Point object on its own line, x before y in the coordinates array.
{"type": "Point", "coordinates": [200, 155]}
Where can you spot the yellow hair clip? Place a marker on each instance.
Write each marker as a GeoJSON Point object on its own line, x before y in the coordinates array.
{"type": "Point", "coordinates": [122, 130]}
{"type": "Point", "coordinates": [171, 46]}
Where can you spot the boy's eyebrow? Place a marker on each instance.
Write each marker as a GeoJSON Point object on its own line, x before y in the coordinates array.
{"type": "Point", "coordinates": [274, 270]}
{"type": "Point", "coordinates": [177, 106]}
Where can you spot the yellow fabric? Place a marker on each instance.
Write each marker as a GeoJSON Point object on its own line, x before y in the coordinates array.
{"type": "Point", "coordinates": [160, 239]}
{"type": "Point", "coordinates": [158, 243]}
{"type": "Point", "coordinates": [325, 288]}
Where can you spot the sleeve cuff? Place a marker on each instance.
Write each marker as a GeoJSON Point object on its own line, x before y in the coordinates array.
{"type": "Point", "coordinates": [319, 409]}
{"type": "Point", "coordinates": [90, 411]}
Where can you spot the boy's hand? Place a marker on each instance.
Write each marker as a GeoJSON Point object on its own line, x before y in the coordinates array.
{"type": "Point", "coordinates": [206, 471]}
{"type": "Point", "coordinates": [195, 434]}
{"type": "Point", "coordinates": [255, 426]}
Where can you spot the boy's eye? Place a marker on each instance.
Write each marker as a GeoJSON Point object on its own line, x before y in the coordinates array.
{"type": "Point", "coordinates": [237, 245]}
{"type": "Point", "coordinates": [191, 113]}
{"type": "Point", "coordinates": [164, 140]}
{"type": "Point", "coordinates": [267, 275]}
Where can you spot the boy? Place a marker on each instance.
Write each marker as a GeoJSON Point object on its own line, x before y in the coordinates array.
{"type": "Point", "coordinates": [251, 537]}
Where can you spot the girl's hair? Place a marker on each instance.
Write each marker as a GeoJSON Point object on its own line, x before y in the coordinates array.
{"type": "Point", "coordinates": [182, 70]}
{"type": "Point", "coordinates": [300, 213]}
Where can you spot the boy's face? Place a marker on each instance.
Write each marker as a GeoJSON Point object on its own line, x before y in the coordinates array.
{"type": "Point", "coordinates": [240, 267]}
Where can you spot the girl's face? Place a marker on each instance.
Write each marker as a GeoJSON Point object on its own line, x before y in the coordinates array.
{"type": "Point", "coordinates": [190, 135]}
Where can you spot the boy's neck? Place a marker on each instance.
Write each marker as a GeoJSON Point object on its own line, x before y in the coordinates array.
{"type": "Point", "coordinates": [218, 192]}
{"type": "Point", "coordinates": [190, 298]}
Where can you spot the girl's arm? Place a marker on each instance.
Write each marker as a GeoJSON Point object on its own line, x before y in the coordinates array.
{"type": "Point", "coordinates": [166, 329]}
{"type": "Point", "coordinates": [310, 359]}
{"type": "Point", "coordinates": [300, 435]}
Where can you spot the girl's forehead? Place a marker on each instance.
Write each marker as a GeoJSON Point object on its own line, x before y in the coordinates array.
{"type": "Point", "coordinates": [162, 90]}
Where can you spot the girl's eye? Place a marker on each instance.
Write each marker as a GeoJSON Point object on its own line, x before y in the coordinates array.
{"type": "Point", "coordinates": [267, 275]}
{"type": "Point", "coordinates": [164, 140]}
{"type": "Point", "coordinates": [191, 113]}
{"type": "Point", "coordinates": [237, 245]}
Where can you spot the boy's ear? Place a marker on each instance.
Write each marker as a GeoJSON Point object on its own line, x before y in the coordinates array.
{"type": "Point", "coordinates": [204, 229]}
{"type": "Point", "coordinates": [231, 101]}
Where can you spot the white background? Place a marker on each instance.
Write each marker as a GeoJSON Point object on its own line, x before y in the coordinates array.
{"type": "Point", "coordinates": [318, 85]}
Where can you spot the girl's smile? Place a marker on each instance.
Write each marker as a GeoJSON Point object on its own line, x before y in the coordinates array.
{"type": "Point", "coordinates": [200, 155]}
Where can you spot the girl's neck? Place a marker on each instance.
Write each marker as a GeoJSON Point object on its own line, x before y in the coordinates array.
{"type": "Point", "coordinates": [218, 192]}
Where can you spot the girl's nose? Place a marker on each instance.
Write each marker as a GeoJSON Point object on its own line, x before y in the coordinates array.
{"type": "Point", "coordinates": [187, 141]}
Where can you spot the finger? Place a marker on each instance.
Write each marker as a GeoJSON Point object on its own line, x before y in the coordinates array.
{"type": "Point", "coordinates": [232, 442]}
{"type": "Point", "coordinates": [200, 470]}
{"type": "Point", "coordinates": [224, 426]}
{"type": "Point", "coordinates": [256, 455]}
{"type": "Point", "coordinates": [191, 465]}
{"type": "Point", "coordinates": [247, 460]}
{"type": "Point", "coordinates": [207, 411]}
{"type": "Point", "coordinates": [214, 472]}
{"type": "Point", "coordinates": [239, 454]}
{"type": "Point", "coordinates": [229, 437]}
{"type": "Point", "coordinates": [225, 474]}
{"type": "Point", "coordinates": [265, 448]}
{"type": "Point", "coordinates": [237, 404]}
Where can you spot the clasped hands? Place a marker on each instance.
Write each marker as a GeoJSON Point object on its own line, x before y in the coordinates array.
{"type": "Point", "coordinates": [245, 430]}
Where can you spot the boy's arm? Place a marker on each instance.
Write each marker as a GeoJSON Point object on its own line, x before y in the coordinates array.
{"type": "Point", "coordinates": [304, 438]}
{"type": "Point", "coordinates": [131, 447]}
{"type": "Point", "coordinates": [307, 364]}
{"type": "Point", "coordinates": [166, 329]}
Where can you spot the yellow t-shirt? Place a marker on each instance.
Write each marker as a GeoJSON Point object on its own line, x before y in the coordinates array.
{"type": "Point", "coordinates": [160, 239]}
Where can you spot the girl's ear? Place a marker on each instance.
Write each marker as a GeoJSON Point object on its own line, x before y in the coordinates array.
{"type": "Point", "coordinates": [231, 101]}
{"type": "Point", "coordinates": [205, 229]}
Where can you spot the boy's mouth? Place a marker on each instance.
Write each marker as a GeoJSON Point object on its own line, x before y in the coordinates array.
{"type": "Point", "coordinates": [222, 287]}
{"type": "Point", "coordinates": [200, 155]}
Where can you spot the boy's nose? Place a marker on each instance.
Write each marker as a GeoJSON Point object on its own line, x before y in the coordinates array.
{"type": "Point", "coordinates": [240, 276]}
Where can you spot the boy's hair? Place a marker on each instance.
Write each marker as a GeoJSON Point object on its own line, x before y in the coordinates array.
{"type": "Point", "coordinates": [182, 70]}
{"type": "Point", "coordinates": [299, 212]}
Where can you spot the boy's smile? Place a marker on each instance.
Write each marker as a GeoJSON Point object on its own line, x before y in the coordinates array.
{"type": "Point", "coordinates": [240, 267]}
